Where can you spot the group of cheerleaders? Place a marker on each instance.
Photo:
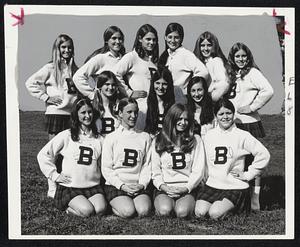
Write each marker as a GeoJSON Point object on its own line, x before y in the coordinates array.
{"type": "Point", "coordinates": [133, 130]}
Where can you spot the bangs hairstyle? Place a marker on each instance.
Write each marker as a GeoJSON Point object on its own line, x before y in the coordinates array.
{"type": "Point", "coordinates": [143, 30]}
{"type": "Point", "coordinates": [233, 67]}
{"type": "Point", "coordinates": [172, 27]}
{"type": "Point", "coordinates": [216, 50]}
{"type": "Point", "coordinates": [168, 99]}
{"type": "Point", "coordinates": [75, 124]}
{"type": "Point", "coordinates": [223, 102]}
{"type": "Point", "coordinates": [100, 80]}
{"type": "Point", "coordinates": [57, 60]}
{"type": "Point", "coordinates": [110, 31]}
{"type": "Point", "coordinates": [124, 102]}
{"type": "Point", "coordinates": [168, 138]}
{"type": "Point", "coordinates": [206, 103]}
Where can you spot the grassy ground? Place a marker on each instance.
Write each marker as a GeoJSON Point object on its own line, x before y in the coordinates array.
{"type": "Point", "coordinates": [39, 217]}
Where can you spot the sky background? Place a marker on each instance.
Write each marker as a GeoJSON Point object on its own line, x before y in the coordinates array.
{"type": "Point", "coordinates": [37, 35]}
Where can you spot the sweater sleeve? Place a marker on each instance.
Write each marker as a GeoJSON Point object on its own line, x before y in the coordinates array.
{"type": "Point", "coordinates": [82, 75]}
{"type": "Point", "coordinates": [196, 66]}
{"type": "Point", "coordinates": [145, 174]}
{"type": "Point", "coordinates": [156, 167]}
{"type": "Point", "coordinates": [265, 90]}
{"type": "Point", "coordinates": [220, 85]}
{"type": "Point", "coordinates": [47, 156]}
{"type": "Point", "coordinates": [36, 83]}
{"type": "Point", "coordinates": [107, 162]}
{"type": "Point", "coordinates": [261, 156]}
{"type": "Point", "coordinates": [199, 168]}
{"type": "Point", "coordinates": [122, 68]}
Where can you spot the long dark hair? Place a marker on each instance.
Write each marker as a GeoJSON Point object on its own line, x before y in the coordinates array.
{"type": "Point", "coordinates": [168, 138]}
{"type": "Point", "coordinates": [233, 67]}
{"type": "Point", "coordinates": [101, 79]}
{"type": "Point", "coordinates": [75, 124]}
{"type": "Point", "coordinates": [206, 103]}
{"type": "Point", "coordinates": [172, 27]}
{"type": "Point", "coordinates": [110, 31]}
{"type": "Point", "coordinates": [143, 30]}
{"type": "Point", "coordinates": [168, 99]}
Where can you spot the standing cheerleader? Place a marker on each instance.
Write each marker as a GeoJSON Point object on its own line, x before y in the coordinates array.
{"type": "Point", "coordinates": [226, 147]}
{"type": "Point", "coordinates": [178, 163]}
{"type": "Point", "coordinates": [105, 100]}
{"type": "Point", "coordinates": [126, 164]}
{"type": "Point", "coordinates": [53, 84]}
{"type": "Point", "coordinates": [208, 50]}
{"type": "Point", "coordinates": [137, 67]}
{"type": "Point", "coordinates": [78, 191]}
{"type": "Point", "coordinates": [160, 99]}
{"type": "Point", "coordinates": [200, 102]}
{"type": "Point", "coordinates": [182, 63]}
{"type": "Point", "coordinates": [250, 92]}
{"type": "Point", "coordinates": [100, 60]}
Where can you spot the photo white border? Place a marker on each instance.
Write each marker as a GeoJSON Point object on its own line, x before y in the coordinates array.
{"type": "Point", "coordinates": [12, 110]}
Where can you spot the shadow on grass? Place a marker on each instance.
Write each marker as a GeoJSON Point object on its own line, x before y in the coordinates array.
{"type": "Point", "coordinates": [272, 195]}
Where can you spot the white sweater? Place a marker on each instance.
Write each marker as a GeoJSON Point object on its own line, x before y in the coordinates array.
{"type": "Point", "coordinates": [80, 159]}
{"type": "Point", "coordinates": [178, 168]}
{"type": "Point", "coordinates": [254, 90]}
{"type": "Point", "coordinates": [126, 158]}
{"type": "Point", "coordinates": [83, 76]}
{"type": "Point", "coordinates": [225, 152]}
{"type": "Point", "coordinates": [43, 85]}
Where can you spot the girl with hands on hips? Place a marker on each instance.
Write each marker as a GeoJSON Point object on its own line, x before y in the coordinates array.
{"type": "Point", "coordinates": [78, 185]}
{"type": "Point", "coordinates": [178, 163]}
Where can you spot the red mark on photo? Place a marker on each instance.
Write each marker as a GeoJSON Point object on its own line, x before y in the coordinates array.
{"type": "Point", "coordinates": [20, 18]}
{"type": "Point", "coordinates": [281, 28]}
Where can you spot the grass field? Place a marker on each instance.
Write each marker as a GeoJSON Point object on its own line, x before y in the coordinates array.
{"type": "Point", "coordinates": [39, 217]}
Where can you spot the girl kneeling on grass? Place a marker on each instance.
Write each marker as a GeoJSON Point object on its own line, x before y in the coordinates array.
{"type": "Point", "coordinates": [79, 191]}
{"type": "Point", "coordinates": [125, 164]}
{"type": "Point", "coordinates": [226, 147]}
{"type": "Point", "coordinates": [178, 163]}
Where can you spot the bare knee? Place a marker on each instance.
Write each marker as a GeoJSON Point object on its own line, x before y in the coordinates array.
{"type": "Point", "coordinates": [164, 210]}
{"type": "Point", "coordinates": [126, 212]}
{"type": "Point", "coordinates": [215, 213]}
{"type": "Point", "coordinates": [85, 210]}
{"type": "Point", "coordinates": [182, 212]}
{"type": "Point", "coordinates": [201, 209]}
{"type": "Point", "coordinates": [100, 208]}
{"type": "Point", "coordinates": [143, 210]}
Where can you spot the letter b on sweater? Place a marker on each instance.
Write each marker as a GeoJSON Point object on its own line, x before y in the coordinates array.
{"type": "Point", "coordinates": [131, 156]}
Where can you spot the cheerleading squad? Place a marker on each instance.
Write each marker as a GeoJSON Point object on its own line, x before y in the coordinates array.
{"type": "Point", "coordinates": [136, 130]}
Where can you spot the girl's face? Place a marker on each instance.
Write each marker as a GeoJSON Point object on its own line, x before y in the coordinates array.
{"type": "Point", "coordinates": [85, 115]}
{"type": "Point", "coordinates": [160, 87]}
{"type": "Point", "coordinates": [182, 122]}
{"type": "Point", "coordinates": [66, 50]}
{"type": "Point", "coordinates": [240, 58]}
{"type": "Point", "coordinates": [206, 48]}
{"type": "Point", "coordinates": [115, 42]}
{"type": "Point", "coordinates": [197, 92]}
{"type": "Point", "coordinates": [129, 115]}
{"type": "Point", "coordinates": [173, 40]}
{"type": "Point", "coordinates": [225, 118]}
{"type": "Point", "coordinates": [109, 88]}
{"type": "Point", "coordinates": [148, 42]}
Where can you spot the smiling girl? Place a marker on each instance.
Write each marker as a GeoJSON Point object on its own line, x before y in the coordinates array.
{"type": "Point", "coordinates": [178, 164]}
{"type": "Point", "coordinates": [182, 63]}
{"type": "Point", "coordinates": [226, 147]}
{"type": "Point", "coordinates": [126, 164]}
{"type": "Point", "coordinates": [208, 50]}
{"type": "Point", "coordinates": [200, 102]}
{"type": "Point", "coordinates": [160, 99]}
{"type": "Point", "coordinates": [250, 92]}
{"type": "Point", "coordinates": [78, 190]}
{"type": "Point", "coordinates": [102, 59]}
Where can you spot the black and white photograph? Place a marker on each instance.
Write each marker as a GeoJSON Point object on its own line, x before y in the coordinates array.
{"type": "Point", "coordinates": [153, 122]}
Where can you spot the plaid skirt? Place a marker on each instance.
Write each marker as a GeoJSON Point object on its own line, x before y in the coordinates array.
{"type": "Point", "coordinates": [157, 192]}
{"type": "Point", "coordinates": [239, 198]}
{"type": "Point", "coordinates": [56, 123]}
{"type": "Point", "coordinates": [112, 192]}
{"type": "Point", "coordinates": [65, 194]}
{"type": "Point", "coordinates": [256, 129]}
